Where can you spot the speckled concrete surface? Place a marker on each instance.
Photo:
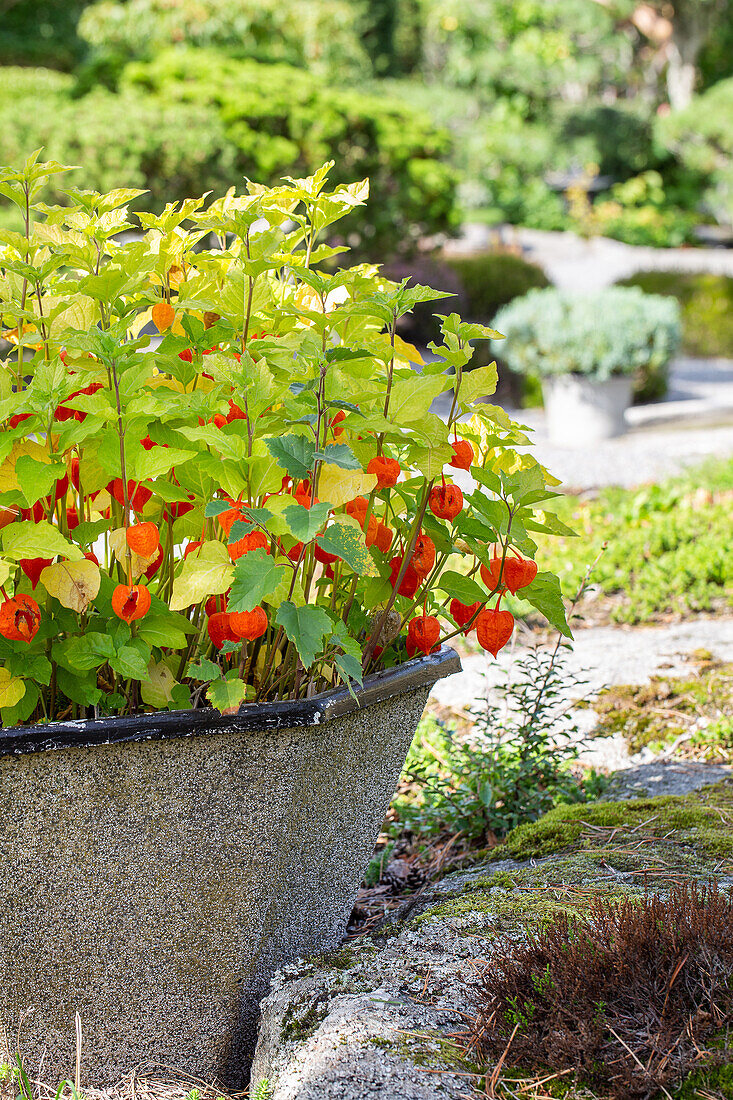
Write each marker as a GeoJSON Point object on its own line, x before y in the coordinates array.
{"type": "Point", "coordinates": [143, 884]}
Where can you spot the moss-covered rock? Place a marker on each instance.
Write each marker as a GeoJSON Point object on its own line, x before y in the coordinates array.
{"type": "Point", "coordinates": [380, 1017]}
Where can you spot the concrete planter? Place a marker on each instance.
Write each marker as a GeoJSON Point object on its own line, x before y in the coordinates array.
{"type": "Point", "coordinates": [582, 410]}
{"type": "Point", "coordinates": [156, 870]}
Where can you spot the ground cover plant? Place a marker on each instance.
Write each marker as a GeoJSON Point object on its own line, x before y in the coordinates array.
{"type": "Point", "coordinates": [666, 553]}
{"type": "Point", "coordinates": [630, 998]}
{"type": "Point", "coordinates": [259, 506]}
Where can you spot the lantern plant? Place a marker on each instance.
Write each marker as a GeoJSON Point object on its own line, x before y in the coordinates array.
{"type": "Point", "coordinates": [220, 476]}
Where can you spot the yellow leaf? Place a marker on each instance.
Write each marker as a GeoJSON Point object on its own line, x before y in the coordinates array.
{"type": "Point", "coordinates": [79, 312]}
{"type": "Point", "coordinates": [8, 480]}
{"type": "Point", "coordinates": [156, 690]}
{"type": "Point", "coordinates": [74, 583]}
{"type": "Point", "coordinates": [408, 352]}
{"type": "Point", "coordinates": [120, 549]}
{"type": "Point", "coordinates": [206, 573]}
{"type": "Point", "coordinates": [337, 486]}
{"type": "Point", "coordinates": [139, 322]}
{"type": "Point", "coordinates": [12, 689]}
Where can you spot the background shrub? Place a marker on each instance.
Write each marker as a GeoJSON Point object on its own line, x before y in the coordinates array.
{"type": "Point", "coordinates": [701, 137]}
{"type": "Point", "coordinates": [196, 120]}
{"type": "Point", "coordinates": [492, 279]}
{"type": "Point", "coordinates": [281, 120]}
{"type": "Point", "coordinates": [129, 139]}
{"type": "Point", "coordinates": [609, 332]}
{"type": "Point", "coordinates": [41, 32]}
{"type": "Point", "coordinates": [320, 35]}
{"type": "Point", "coordinates": [706, 304]}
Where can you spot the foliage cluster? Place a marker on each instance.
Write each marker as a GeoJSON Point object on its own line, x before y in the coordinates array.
{"type": "Point", "coordinates": [257, 506]}
{"type": "Point", "coordinates": [602, 334]}
{"type": "Point", "coordinates": [41, 32]}
{"type": "Point", "coordinates": [194, 121]}
{"type": "Point", "coordinates": [638, 211]}
{"type": "Point", "coordinates": [631, 998]}
{"type": "Point", "coordinates": [320, 35]}
{"type": "Point", "coordinates": [667, 545]}
{"type": "Point", "coordinates": [282, 120]}
{"type": "Point", "coordinates": [525, 88]}
{"type": "Point", "coordinates": [163, 147]}
{"type": "Point", "coordinates": [701, 136]}
{"type": "Point", "coordinates": [706, 306]}
{"type": "Point", "coordinates": [513, 765]}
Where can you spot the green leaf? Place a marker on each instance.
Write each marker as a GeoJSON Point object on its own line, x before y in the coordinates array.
{"type": "Point", "coordinates": [129, 662]}
{"type": "Point", "coordinates": [545, 595]}
{"type": "Point", "coordinates": [159, 460]}
{"type": "Point", "coordinates": [27, 539]}
{"type": "Point", "coordinates": [462, 588]}
{"type": "Point", "coordinates": [80, 689]}
{"type": "Point", "coordinates": [411, 398]}
{"type": "Point", "coordinates": [348, 661]}
{"type": "Point", "coordinates": [227, 695]}
{"type": "Point", "coordinates": [305, 523]}
{"type": "Point", "coordinates": [159, 631]}
{"type": "Point", "coordinates": [294, 453]}
{"type": "Point", "coordinates": [306, 627]}
{"type": "Point", "coordinates": [480, 382]}
{"type": "Point", "coordinates": [205, 671]}
{"type": "Point", "coordinates": [347, 542]}
{"type": "Point", "coordinates": [255, 578]}
{"type": "Point", "coordinates": [36, 479]}
{"type": "Point", "coordinates": [85, 652]}
{"type": "Point", "coordinates": [339, 455]}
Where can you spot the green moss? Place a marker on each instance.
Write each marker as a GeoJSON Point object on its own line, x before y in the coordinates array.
{"type": "Point", "coordinates": [698, 822]}
{"type": "Point", "coordinates": [301, 1020]}
{"type": "Point", "coordinates": [643, 713]}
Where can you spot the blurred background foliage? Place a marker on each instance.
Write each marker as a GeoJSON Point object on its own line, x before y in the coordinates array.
{"type": "Point", "coordinates": [478, 111]}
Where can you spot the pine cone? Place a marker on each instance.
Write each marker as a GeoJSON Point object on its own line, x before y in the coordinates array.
{"type": "Point", "coordinates": [401, 876]}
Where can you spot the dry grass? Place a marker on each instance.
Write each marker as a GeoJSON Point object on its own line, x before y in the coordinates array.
{"type": "Point", "coordinates": [632, 999]}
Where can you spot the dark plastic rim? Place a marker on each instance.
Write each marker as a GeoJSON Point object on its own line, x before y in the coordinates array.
{"type": "Point", "coordinates": [420, 672]}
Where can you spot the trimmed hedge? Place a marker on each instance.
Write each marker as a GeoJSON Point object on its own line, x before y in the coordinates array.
{"type": "Point", "coordinates": [195, 120]}
{"type": "Point", "coordinates": [286, 121]}
{"type": "Point", "coordinates": [619, 330]}
{"type": "Point", "coordinates": [706, 303]}
{"type": "Point", "coordinates": [492, 279]}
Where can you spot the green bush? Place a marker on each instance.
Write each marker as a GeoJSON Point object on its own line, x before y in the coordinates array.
{"type": "Point", "coordinates": [706, 303]}
{"type": "Point", "coordinates": [492, 279]}
{"type": "Point", "coordinates": [314, 34]}
{"type": "Point", "coordinates": [602, 334]}
{"type": "Point", "coordinates": [638, 211]}
{"type": "Point", "coordinates": [701, 137]}
{"type": "Point", "coordinates": [618, 137]}
{"type": "Point", "coordinates": [533, 49]}
{"type": "Point", "coordinates": [172, 149]}
{"type": "Point", "coordinates": [281, 120]}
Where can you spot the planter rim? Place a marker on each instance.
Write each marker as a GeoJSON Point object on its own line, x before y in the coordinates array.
{"type": "Point", "coordinates": [163, 725]}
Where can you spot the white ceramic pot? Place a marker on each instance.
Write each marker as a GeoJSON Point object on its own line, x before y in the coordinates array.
{"type": "Point", "coordinates": [582, 411]}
